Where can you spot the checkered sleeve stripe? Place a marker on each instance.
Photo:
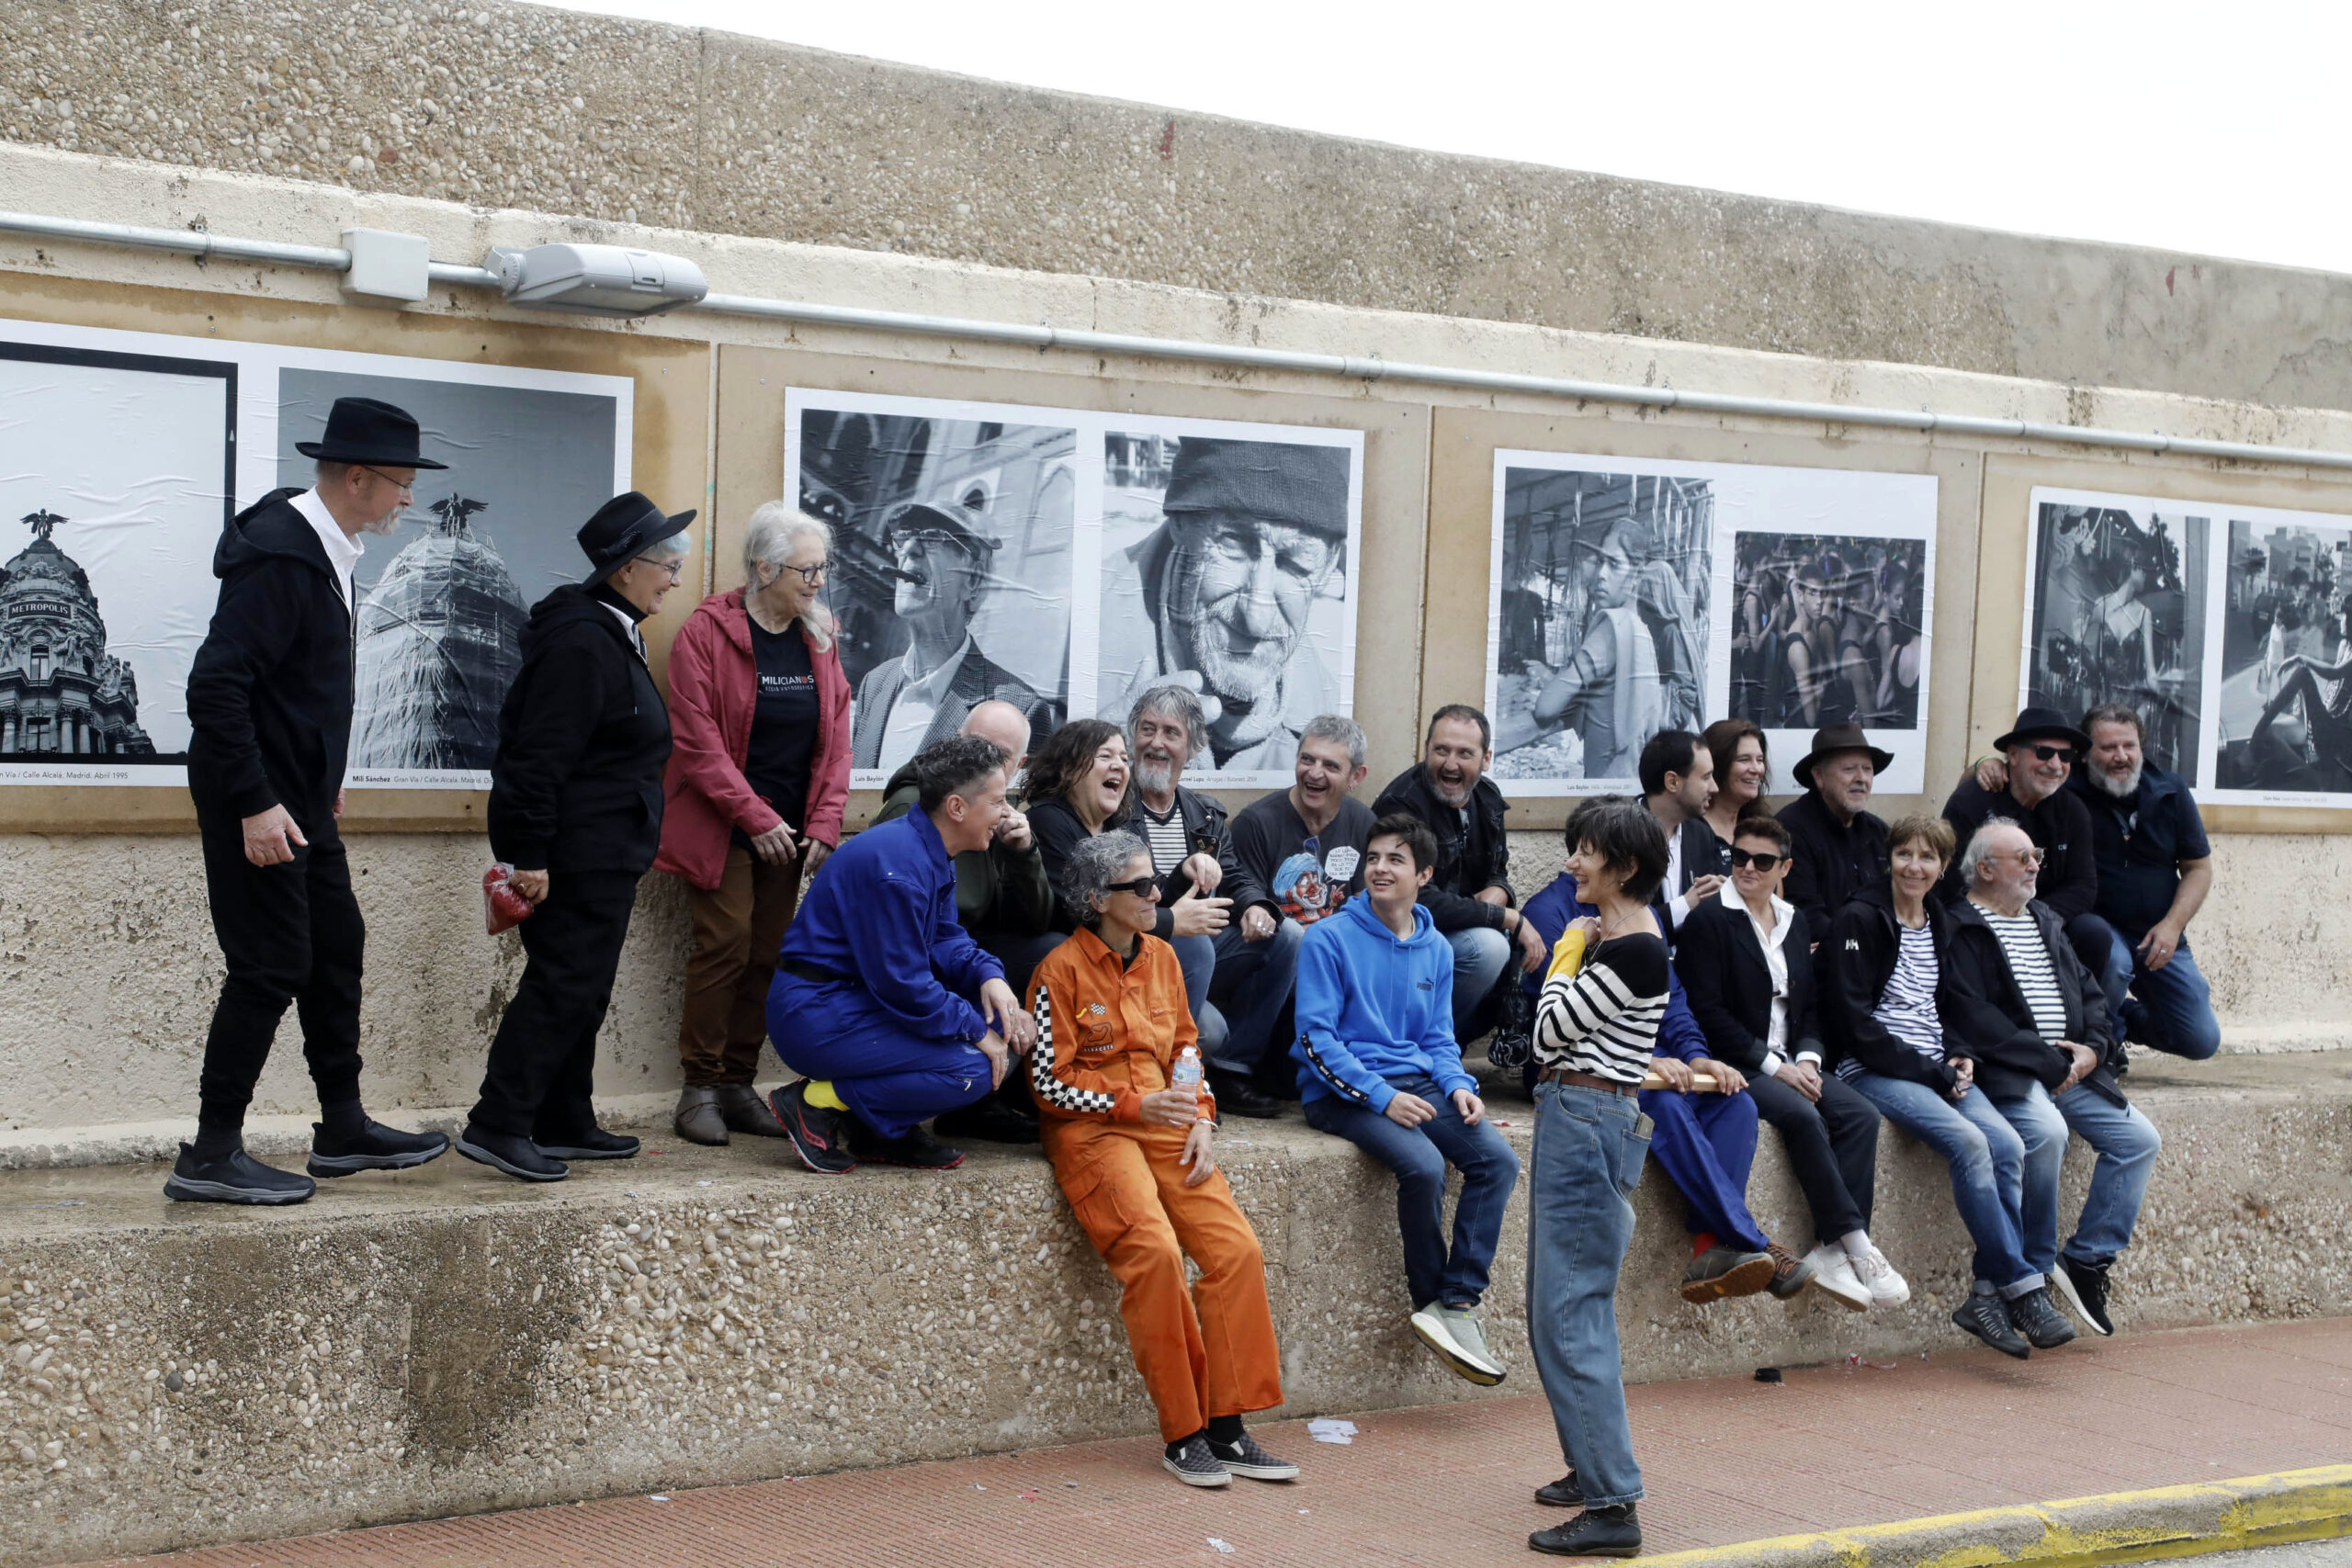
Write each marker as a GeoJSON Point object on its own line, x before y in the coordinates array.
{"type": "Point", "coordinates": [1338, 1085]}
{"type": "Point", "coordinates": [1050, 1086]}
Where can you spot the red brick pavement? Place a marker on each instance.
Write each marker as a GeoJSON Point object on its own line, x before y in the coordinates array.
{"type": "Point", "coordinates": [1725, 1459]}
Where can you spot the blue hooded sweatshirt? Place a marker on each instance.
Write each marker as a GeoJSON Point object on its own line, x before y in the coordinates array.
{"type": "Point", "coordinates": [1371, 1008]}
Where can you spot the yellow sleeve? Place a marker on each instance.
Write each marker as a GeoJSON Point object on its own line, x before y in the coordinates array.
{"type": "Point", "coordinates": [1567, 954]}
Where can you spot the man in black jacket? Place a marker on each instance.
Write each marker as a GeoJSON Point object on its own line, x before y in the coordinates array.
{"type": "Point", "coordinates": [269, 697]}
{"type": "Point", "coordinates": [2035, 1020]}
{"type": "Point", "coordinates": [1840, 846]}
{"type": "Point", "coordinates": [1677, 785]}
{"type": "Point", "coordinates": [1470, 899]}
{"type": "Point", "coordinates": [575, 805]}
{"type": "Point", "coordinates": [2041, 749]}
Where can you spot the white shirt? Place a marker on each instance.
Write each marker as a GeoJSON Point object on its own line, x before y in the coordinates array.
{"type": "Point", "coordinates": [628, 623]}
{"type": "Point", "coordinates": [344, 550]}
{"type": "Point", "coordinates": [1680, 905]}
{"type": "Point", "coordinates": [1776, 961]}
{"type": "Point", "coordinates": [915, 706]}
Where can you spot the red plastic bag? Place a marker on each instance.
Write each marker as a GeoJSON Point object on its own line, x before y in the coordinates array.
{"type": "Point", "coordinates": [501, 907]}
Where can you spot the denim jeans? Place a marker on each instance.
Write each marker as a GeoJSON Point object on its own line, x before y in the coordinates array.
{"type": "Point", "coordinates": [1419, 1155]}
{"type": "Point", "coordinates": [2126, 1144]}
{"type": "Point", "coordinates": [1987, 1161]}
{"type": "Point", "coordinates": [1253, 979]}
{"type": "Point", "coordinates": [1196, 955]}
{"type": "Point", "coordinates": [1479, 954]}
{"type": "Point", "coordinates": [1588, 1157]}
{"type": "Point", "coordinates": [2170, 1009]}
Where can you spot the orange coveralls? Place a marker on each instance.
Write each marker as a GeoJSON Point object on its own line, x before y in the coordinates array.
{"type": "Point", "coordinates": [1107, 1035]}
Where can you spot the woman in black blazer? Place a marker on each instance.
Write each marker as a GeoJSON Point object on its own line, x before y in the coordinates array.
{"type": "Point", "coordinates": [1746, 961]}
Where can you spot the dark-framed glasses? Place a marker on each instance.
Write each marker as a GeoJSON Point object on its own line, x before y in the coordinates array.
{"type": "Point", "coordinates": [406, 487]}
{"type": "Point", "coordinates": [1142, 887]}
{"type": "Point", "coordinates": [1762, 860]}
{"type": "Point", "coordinates": [808, 574]}
{"type": "Point", "coordinates": [906, 541]}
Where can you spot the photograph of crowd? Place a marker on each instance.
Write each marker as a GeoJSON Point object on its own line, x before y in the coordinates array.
{"type": "Point", "coordinates": [2285, 696]}
{"type": "Point", "coordinates": [951, 567]}
{"type": "Point", "coordinates": [1828, 630]}
{"type": "Point", "coordinates": [1602, 620]}
{"type": "Point", "coordinates": [2117, 615]}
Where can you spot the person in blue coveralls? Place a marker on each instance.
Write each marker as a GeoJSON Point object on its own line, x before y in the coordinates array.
{"type": "Point", "coordinates": [883, 1002]}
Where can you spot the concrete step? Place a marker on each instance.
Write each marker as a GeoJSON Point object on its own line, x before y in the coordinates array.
{"type": "Point", "coordinates": [446, 1341]}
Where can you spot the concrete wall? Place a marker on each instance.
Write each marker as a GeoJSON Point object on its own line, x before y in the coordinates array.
{"type": "Point", "coordinates": [496, 104]}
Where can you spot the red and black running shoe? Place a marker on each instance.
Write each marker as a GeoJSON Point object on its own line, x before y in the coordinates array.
{"type": "Point", "coordinates": [816, 1131]}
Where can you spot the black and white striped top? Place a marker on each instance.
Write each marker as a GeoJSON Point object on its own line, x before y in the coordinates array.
{"type": "Point", "coordinates": [2029, 958]}
{"type": "Point", "coordinates": [1603, 1019]}
{"type": "Point", "coordinates": [1164, 835]}
{"type": "Point", "coordinates": [1907, 1007]}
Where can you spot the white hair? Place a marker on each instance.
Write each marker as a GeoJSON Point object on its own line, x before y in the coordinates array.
{"type": "Point", "coordinates": [768, 538]}
{"type": "Point", "coordinates": [1980, 848]}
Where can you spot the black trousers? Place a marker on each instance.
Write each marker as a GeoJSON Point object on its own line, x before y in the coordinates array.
{"type": "Point", "coordinates": [290, 933]}
{"type": "Point", "coordinates": [541, 1076]}
{"type": "Point", "coordinates": [1833, 1147]}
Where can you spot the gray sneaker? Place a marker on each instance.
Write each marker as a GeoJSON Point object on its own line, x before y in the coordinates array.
{"type": "Point", "coordinates": [1459, 1342]}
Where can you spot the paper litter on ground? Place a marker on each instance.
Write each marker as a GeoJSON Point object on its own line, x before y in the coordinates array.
{"type": "Point", "coordinates": [1224, 1548]}
{"type": "Point", "coordinates": [1325, 1429]}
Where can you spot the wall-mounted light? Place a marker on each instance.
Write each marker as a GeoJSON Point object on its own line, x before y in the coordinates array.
{"type": "Point", "coordinates": [595, 280]}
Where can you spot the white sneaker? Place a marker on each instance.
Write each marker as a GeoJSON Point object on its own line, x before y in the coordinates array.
{"type": "Point", "coordinates": [1459, 1342]}
{"type": "Point", "coordinates": [1887, 1288]}
{"type": "Point", "coordinates": [1834, 1277]}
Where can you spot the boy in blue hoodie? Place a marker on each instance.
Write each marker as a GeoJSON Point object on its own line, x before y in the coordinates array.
{"type": "Point", "coordinates": [1378, 1066]}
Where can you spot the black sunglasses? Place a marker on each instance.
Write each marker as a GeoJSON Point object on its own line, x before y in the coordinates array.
{"type": "Point", "coordinates": [1142, 887]}
{"type": "Point", "coordinates": [2054, 754]}
{"type": "Point", "coordinates": [1764, 862]}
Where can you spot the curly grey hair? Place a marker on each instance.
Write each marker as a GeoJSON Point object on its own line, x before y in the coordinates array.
{"type": "Point", "coordinates": [1093, 867]}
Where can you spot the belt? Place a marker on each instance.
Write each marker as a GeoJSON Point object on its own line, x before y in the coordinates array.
{"type": "Point", "coordinates": [1576, 1080]}
{"type": "Point", "coordinates": [811, 972]}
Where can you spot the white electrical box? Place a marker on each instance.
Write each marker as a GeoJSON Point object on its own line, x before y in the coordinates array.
{"type": "Point", "coordinates": [385, 266]}
{"type": "Point", "coordinates": [596, 280]}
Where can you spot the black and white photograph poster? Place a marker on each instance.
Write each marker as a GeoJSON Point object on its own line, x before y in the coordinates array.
{"type": "Point", "coordinates": [1628, 596]}
{"type": "Point", "coordinates": [2282, 683]}
{"type": "Point", "coordinates": [2117, 613]}
{"type": "Point", "coordinates": [118, 481]}
{"type": "Point", "coordinates": [1064, 559]}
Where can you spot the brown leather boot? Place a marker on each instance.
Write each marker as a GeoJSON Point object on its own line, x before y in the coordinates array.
{"type": "Point", "coordinates": [698, 1119]}
{"type": "Point", "coordinates": [743, 1110]}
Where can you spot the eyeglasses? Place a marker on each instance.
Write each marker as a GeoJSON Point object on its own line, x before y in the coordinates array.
{"type": "Point", "coordinates": [808, 574]}
{"type": "Point", "coordinates": [1142, 887]}
{"type": "Point", "coordinates": [407, 487]}
{"type": "Point", "coordinates": [674, 568]}
{"type": "Point", "coordinates": [912, 539]}
{"type": "Point", "coordinates": [2054, 753]}
{"type": "Point", "coordinates": [2026, 857]}
{"type": "Point", "coordinates": [1764, 862]}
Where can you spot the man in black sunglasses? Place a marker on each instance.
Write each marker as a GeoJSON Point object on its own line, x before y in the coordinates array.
{"type": "Point", "coordinates": [2041, 749]}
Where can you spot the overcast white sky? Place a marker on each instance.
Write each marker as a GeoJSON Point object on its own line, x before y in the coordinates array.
{"type": "Point", "coordinates": [2212, 128]}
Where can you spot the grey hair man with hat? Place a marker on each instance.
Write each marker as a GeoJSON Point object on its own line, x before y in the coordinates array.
{"type": "Point", "coordinates": [1841, 845]}
{"type": "Point", "coordinates": [575, 806]}
{"type": "Point", "coordinates": [1217, 598]}
{"type": "Point", "coordinates": [269, 699]}
{"type": "Point", "coordinates": [940, 553]}
{"type": "Point", "coordinates": [2041, 748]}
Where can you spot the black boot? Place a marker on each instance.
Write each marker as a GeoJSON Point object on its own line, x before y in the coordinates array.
{"type": "Point", "coordinates": [1596, 1532]}
{"type": "Point", "coordinates": [991, 1120]}
{"type": "Point", "coordinates": [373, 1147]}
{"type": "Point", "coordinates": [1236, 1096]}
{"type": "Point", "coordinates": [233, 1177]}
{"type": "Point", "coordinates": [518, 1157]}
{"type": "Point", "coordinates": [1563, 1492]}
{"type": "Point", "coordinates": [740, 1107]}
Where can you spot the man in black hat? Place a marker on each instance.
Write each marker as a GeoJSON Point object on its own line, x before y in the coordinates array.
{"type": "Point", "coordinates": [1841, 845]}
{"type": "Point", "coordinates": [2041, 749]}
{"type": "Point", "coordinates": [269, 699]}
{"type": "Point", "coordinates": [941, 552]}
{"type": "Point", "coordinates": [1218, 597]}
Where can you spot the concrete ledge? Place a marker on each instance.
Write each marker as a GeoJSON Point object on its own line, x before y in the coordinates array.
{"type": "Point", "coordinates": [2120, 1527]}
{"type": "Point", "coordinates": [446, 1341]}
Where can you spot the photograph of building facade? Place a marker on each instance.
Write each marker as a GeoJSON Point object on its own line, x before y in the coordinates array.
{"type": "Point", "coordinates": [60, 691]}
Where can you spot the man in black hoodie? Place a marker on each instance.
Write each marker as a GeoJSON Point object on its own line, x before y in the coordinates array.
{"type": "Point", "coordinates": [269, 698]}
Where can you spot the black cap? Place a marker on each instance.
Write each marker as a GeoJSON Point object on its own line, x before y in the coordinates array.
{"type": "Point", "coordinates": [361, 430]}
{"type": "Point", "coordinates": [621, 529]}
{"type": "Point", "coordinates": [2043, 724]}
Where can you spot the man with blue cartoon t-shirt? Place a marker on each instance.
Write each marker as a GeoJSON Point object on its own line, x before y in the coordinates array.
{"type": "Point", "coordinates": [1301, 854]}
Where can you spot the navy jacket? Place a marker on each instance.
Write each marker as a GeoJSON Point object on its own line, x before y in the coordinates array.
{"type": "Point", "coordinates": [2138, 845]}
{"type": "Point", "coordinates": [1855, 961]}
{"type": "Point", "coordinates": [1722, 965]}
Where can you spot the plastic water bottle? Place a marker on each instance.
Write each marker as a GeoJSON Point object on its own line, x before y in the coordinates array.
{"type": "Point", "coordinates": [1187, 1074]}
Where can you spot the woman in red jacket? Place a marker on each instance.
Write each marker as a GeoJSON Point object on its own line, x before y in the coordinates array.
{"type": "Point", "coordinates": [760, 708]}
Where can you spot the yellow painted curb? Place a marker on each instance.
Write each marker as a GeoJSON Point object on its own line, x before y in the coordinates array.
{"type": "Point", "coordinates": [2078, 1532]}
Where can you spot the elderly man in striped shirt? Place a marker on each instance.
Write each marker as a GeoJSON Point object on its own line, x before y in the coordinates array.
{"type": "Point", "coordinates": [2036, 1021]}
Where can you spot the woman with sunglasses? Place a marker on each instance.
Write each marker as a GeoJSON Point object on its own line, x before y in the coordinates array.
{"type": "Point", "coordinates": [760, 707]}
{"type": "Point", "coordinates": [1132, 1150]}
{"type": "Point", "coordinates": [1745, 958]}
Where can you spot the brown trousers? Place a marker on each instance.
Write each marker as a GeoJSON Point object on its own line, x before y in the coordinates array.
{"type": "Point", "coordinates": [739, 928]}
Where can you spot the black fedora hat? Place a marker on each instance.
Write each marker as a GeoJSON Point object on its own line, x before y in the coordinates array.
{"type": "Point", "coordinates": [621, 530]}
{"type": "Point", "coordinates": [1832, 738]}
{"type": "Point", "coordinates": [361, 430]}
{"type": "Point", "coordinates": [2043, 724]}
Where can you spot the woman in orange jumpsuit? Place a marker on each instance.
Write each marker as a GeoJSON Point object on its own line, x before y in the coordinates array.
{"type": "Point", "coordinates": [1132, 1154]}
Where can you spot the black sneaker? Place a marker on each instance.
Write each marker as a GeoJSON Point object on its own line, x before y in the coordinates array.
{"type": "Point", "coordinates": [1513, 1045]}
{"type": "Point", "coordinates": [591, 1143]}
{"type": "Point", "coordinates": [815, 1130]}
{"type": "Point", "coordinates": [2044, 1328]}
{"type": "Point", "coordinates": [374, 1147]}
{"type": "Point", "coordinates": [1564, 1493]}
{"type": "Point", "coordinates": [1986, 1317]}
{"type": "Point", "coordinates": [2084, 1288]}
{"type": "Point", "coordinates": [1245, 1458]}
{"type": "Point", "coordinates": [1596, 1532]}
{"type": "Point", "coordinates": [915, 1149]}
{"type": "Point", "coordinates": [518, 1157]}
{"type": "Point", "coordinates": [233, 1178]}
{"type": "Point", "coordinates": [1236, 1096]}
{"type": "Point", "coordinates": [1191, 1462]}
{"type": "Point", "coordinates": [992, 1122]}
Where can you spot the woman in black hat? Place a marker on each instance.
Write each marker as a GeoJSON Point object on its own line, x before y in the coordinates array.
{"type": "Point", "coordinates": [575, 806]}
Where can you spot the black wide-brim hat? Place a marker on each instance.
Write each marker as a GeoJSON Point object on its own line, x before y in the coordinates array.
{"type": "Point", "coordinates": [620, 531]}
{"type": "Point", "coordinates": [1832, 738]}
{"type": "Point", "coordinates": [2043, 724]}
{"type": "Point", "coordinates": [361, 430]}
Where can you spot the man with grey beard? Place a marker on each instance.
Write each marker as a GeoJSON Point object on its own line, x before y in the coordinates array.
{"type": "Point", "coordinates": [2154, 869]}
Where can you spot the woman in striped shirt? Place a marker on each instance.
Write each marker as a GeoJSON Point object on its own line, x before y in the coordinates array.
{"type": "Point", "coordinates": [1594, 1031]}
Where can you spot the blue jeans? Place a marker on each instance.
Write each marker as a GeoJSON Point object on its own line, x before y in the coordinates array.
{"type": "Point", "coordinates": [1196, 955]}
{"type": "Point", "coordinates": [1253, 979]}
{"type": "Point", "coordinates": [2170, 1009]}
{"type": "Point", "coordinates": [1479, 954]}
{"type": "Point", "coordinates": [1987, 1161]}
{"type": "Point", "coordinates": [1588, 1158]}
{"type": "Point", "coordinates": [2126, 1144]}
{"type": "Point", "coordinates": [1419, 1155]}
{"type": "Point", "coordinates": [1706, 1145]}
